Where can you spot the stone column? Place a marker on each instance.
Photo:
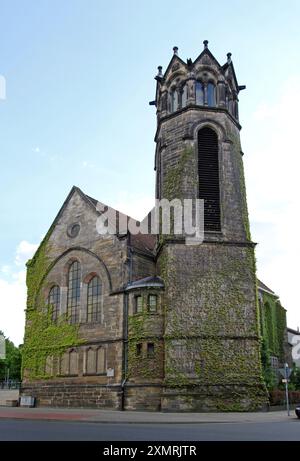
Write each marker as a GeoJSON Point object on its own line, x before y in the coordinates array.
{"type": "Point", "coordinates": [164, 104]}
{"type": "Point", "coordinates": [63, 300]}
{"type": "Point", "coordinates": [191, 97]}
{"type": "Point", "coordinates": [205, 93]}
{"type": "Point", "coordinates": [221, 99]}
{"type": "Point", "coordinates": [83, 304]}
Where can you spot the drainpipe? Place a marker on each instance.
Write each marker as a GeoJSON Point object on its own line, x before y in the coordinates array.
{"type": "Point", "coordinates": [125, 332]}
{"type": "Point", "coordinates": [125, 348]}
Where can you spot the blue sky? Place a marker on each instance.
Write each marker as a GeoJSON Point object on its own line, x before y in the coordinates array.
{"type": "Point", "coordinates": [79, 76]}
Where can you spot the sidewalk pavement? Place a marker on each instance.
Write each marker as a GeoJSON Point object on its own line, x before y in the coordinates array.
{"type": "Point", "coordinates": [139, 417]}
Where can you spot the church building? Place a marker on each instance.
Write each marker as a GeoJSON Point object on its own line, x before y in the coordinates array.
{"type": "Point", "coordinates": [141, 321]}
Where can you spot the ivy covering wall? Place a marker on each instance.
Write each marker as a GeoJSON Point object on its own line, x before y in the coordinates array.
{"type": "Point", "coordinates": [273, 333]}
{"type": "Point", "coordinates": [43, 337]}
{"type": "Point", "coordinates": [273, 324]}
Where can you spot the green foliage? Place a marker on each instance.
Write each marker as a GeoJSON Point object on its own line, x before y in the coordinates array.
{"type": "Point", "coordinates": [268, 373]}
{"type": "Point", "coordinates": [273, 325]}
{"type": "Point", "coordinates": [12, 362]}
{"type": "Point", "coordinates": [43, 339]}
{"type": "Point", "coordinates": [215, 358]}
{"type": "Point", "coordinates": [244, 199]}
{"type": "Point", "coordinates": [295, 379]}
{"type": "Point", "coordinates": [37, 268]}
{"type": "Point", "coordinates": [172, 186]}
{"type": "Point", "coordinates": [273, 330]}
{"type": "Point", "coordinates": [184, 170]}
{"type": "Point", "coordinates": [240, 167]}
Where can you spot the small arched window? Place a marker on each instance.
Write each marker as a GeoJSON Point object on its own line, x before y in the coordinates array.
{"type": "Point", "coordinates": [94, 300]}
{"type": "Point", "coordinates": [174, 100]}
{"type": "Point", "coordinates": [211, 95]}
{"type": "Point", "coordinates": [54, 302]}
{"type": "Point", "coordinates": [199, 94]}
{"type": "Point", "coordinates": [73, 305]}
{"type": "Point", "coordinates": [184, 96]}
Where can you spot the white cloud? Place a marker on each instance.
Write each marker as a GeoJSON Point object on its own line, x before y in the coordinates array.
{"type": "Point", "coordinates": [5, 269]}
{"type": "Point", "coordinates": [13, 302]}
{"type": "Point", "coordinates": [272, 163]}
{"type": "Point", "coordinates": [24, 252]}
{"type": "Point", "coordinates": [87, 164]}
{"type": "Point", "coordinates": [13, 293]}
{"type": "Point", "coordinates": [2, 88]}
{"type": "Point", "coordinates": [133, 206]}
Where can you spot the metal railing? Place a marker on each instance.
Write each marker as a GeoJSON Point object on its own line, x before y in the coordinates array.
{"type": "Point", "coordinates": [10, 384]}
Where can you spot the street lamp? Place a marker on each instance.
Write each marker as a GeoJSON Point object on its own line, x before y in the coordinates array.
{"type": "Point", "coordinates": [286, 377]}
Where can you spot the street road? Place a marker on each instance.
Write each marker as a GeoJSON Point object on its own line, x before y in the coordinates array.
{"type": "Point", "coordinates": [81, 431]}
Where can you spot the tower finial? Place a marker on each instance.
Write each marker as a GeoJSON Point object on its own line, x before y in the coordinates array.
{"type": "Point", "coordinates": [229, 58]}
{"type": "Point", "coordinates": [175, 49]}
{"type": "Point", "coordinates": [159, 72]}
{"type": "Point", "coordinates": [205, 43]}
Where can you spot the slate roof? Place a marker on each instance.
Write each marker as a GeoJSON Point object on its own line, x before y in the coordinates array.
{"type": "Point", "coordinates": [147, 282]}
{"type": "Point", "coordinates": [264, 287]}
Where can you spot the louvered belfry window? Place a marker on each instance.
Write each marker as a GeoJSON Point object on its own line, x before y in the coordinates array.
{"type": "Point", "coordinates": [208, 171]}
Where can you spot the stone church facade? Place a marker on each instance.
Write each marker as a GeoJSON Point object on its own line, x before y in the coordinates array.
{"type": "Point", "coordinates": [146, 321]}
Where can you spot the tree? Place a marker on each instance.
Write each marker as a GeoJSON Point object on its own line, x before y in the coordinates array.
{"type": "Point", "coordinates": [295, 378]}
{"type": "Point", "coordinates": [12, 361]}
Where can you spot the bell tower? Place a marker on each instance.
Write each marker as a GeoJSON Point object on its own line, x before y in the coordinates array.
{"type": "Point", "coordinates": [211, 336]}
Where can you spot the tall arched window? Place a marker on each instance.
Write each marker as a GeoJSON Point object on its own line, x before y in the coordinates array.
{"type": "Point", "coordinates": [199, 94]}
{"type": "Point", "coordinates": [208, 172]}
{"type": "Point", "coordinates": [184, 96]}
{"type": "Point", "coordinates": [174, 100]}
{"type": "Point", "coordinates": [54, 302]}
{"type": "Point", "coordinates": [211, 94]}
{"type": "Point", "coordinates": [74, 292]}
{"type": "Point", "coordinates": [94, 300]}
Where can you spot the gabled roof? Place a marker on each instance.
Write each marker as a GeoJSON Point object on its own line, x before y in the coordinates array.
{"type": "Point", "coordinates": [85, 197]}
{"type": "Point", "coordinates": [175, 58]}
{"type": "Point", "coordinates": [264, 287]}
{"type": "Point", "coordinates": [209, 53]}
{"type": "Point", "coordinates": [64, 205]}
{"type": "Point", "coordinates": [206, 51]}
{"type": "Point", "coordinates": [225, 67]}
{"type": "Point", "coordinates": [141, 242]}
